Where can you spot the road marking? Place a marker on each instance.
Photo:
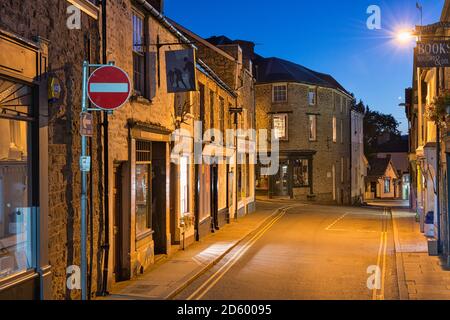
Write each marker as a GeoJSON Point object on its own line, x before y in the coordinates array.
{"type": "Point", "coordinates": [381, 258]}
{"type": "Point", "coordinates": [212, 281]}
{"type": "Point", "coordinates": [337, 221]}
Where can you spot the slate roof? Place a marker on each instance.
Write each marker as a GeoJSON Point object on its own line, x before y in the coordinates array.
{"type": "Point", "coordinates": [378, 167]}
{"type": "Point", "coordinates": [279, 70]}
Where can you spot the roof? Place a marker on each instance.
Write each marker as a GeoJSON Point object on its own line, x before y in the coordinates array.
{"type": "Point", "coordinates": [378, 167]}
{"type": "Point", "coordinates": [279, 70]}
{"type": "Point", "coordinates": [400, 145]}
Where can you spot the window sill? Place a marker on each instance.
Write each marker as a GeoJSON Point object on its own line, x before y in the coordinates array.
{"type": "Point", "coordinates": [140, 99]}
{"type": "Point", "coordinates": [87, 7]}
{"type": "Point", "coordinates": [144, 235]}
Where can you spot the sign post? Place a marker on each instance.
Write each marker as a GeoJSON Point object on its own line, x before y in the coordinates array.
{"type": "Point", "coordinates": [108, 88]}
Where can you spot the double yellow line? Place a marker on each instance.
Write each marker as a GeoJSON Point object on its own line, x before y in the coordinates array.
{"type": "Point", "coordinates": [212, 281]}
{"type": "Point", "coordinates": [378, 294]}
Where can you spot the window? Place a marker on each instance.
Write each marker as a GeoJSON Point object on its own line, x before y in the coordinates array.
{"type": "Point", "coordinates": [143, 184]}
{"type": "Point", "coordinates": [387, 185]}
{"type": "Point", "coordinates": [280, 93]}
{"type": "Point", "coordinates": [334, 129]}
{"type": "Point", "coordinates": [342, 170]}
{"type": "Point", "coordinates": [17, 190]}
{"type": "Point", "coordinates": [312, 127]}
{"type": "Point", "coordinates": [138, 55]}
{"type": "Point", "coordinates": [342, 104]}
{"type": "Point", "coordinates": [184, 186]}
{"type": "Point", "coordinates": [211, 109]}
{"type": "Point", "coordinates": [312, 96]}
{"type": "Point", "coordinates": [201, 89]}
{"type": "Point", "coordinates": [280, 126]}
{"type": "Point", "coordinates": [222, 114]}
{"type": "Point", "coordinates": [301, 173]}
{"type": "Point", "coordinates": [342, 131]}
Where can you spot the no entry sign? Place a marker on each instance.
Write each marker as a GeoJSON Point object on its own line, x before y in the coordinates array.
{"type": "Point", "coordinates": [109, 87]}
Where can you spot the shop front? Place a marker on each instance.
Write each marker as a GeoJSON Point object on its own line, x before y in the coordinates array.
{"type": "Point", "coordinates": [24, 268]}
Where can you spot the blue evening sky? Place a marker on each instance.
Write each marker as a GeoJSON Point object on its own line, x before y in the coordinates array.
{"type": "Point", "coordinates": [329, 36]}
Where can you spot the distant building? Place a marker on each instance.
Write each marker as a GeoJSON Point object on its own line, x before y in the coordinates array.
{"type": "Point", "coordinates": [359, 161]}
{"type": "Point", "coordinates": [397, 150]}
{"type": "Point", "coordinates": [381, 180]}
{"type": "Point", "coordinates": [309, 113]}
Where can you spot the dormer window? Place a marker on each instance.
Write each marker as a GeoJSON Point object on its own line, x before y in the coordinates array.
{"type": "Point", "coordinates": [279, 93]}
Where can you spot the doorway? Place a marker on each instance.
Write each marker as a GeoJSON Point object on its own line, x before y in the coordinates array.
{"type": "Point", "coordinates": [214, 198]}
{"type": "Point", "coordinates": [281, 182]}
{"type": "Point", "coordinates": [159, 195]}
{"type": "Point", "coordinates": [118, 223]}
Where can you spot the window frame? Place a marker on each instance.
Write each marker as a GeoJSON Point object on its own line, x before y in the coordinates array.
{"type": "Point", "coordinates": [314, 91]}
{"type": "Point", "coordinates": [312, 137]}
{"type": "Point", "coordinates": [334, 129]}
{"type": "Point", "coordinates": [285, 118]}
{"type": "Point", "coordinates": [139, 56]}
{"type": "Point", "coordinates": [279, 85]}
{"type": "Point", "coordinates": [294, 166]}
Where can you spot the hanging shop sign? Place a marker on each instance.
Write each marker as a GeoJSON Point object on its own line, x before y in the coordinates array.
{"type": "Point", "coordinates": [180, 69]}
{"type": "Point", "coordinates": [432, 54]}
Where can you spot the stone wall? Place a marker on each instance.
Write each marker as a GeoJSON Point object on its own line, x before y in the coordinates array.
{"type": "Point", "coordinates": [67, 50]}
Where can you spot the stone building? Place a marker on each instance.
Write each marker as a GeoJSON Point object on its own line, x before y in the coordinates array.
{"type": "Point", "coordinates": [309, 113]}
{"type": "Point", "coordinates": [40, 88]}
{"type": "Point", "coordinates": [157, 200]}
{"type": "Point", "coordinates": [359, 161]}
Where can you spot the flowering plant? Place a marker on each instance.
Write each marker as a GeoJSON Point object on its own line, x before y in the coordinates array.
{"type": "Point", "coordinates": [437, 110]}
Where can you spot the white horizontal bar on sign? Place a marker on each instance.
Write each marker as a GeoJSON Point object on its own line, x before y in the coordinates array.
{"type": "Point", "coordinates": [108, 87]}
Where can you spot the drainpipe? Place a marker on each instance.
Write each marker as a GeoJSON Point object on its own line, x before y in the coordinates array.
{"type": "Point", "coordinates": [106, 245]}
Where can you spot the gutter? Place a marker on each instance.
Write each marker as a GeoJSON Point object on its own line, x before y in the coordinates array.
{"type": "Point", "coordinates": [155, 13]}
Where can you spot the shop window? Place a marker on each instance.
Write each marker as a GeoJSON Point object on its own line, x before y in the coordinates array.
{"type": "Point", "coordinates": [301, 173]}
{"type": "Point", "coordinates": [279, 93]}
{"type": "Point", "coordinates": [280, 126]}
{"type": "Point", "coordinates": [18, 205]}
{"type": "Point", "coordinates": [262, 182]}
{"type": "Point", "coordinates": [143, 188]}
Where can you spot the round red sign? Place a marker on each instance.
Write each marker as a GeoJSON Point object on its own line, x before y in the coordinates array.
{"type": "Point", "coordinates": [109, 87]}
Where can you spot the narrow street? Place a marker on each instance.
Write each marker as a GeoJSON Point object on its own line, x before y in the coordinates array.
{"type": "Point", "coordinates": [307, 252]}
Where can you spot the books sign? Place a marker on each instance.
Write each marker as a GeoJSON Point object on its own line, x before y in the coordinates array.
{"type": "Point", "coordinates": [432, 54]}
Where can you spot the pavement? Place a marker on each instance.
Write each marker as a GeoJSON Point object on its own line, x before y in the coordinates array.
{"type": "Point", "coordinates": [167, 278]}
{"type": "Point", "coordinates": [421, 276]}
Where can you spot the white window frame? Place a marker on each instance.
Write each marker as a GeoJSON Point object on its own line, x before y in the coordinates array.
{"type": "Point", "coordinates": [314, 98]}
{"type": "Point", "coordinates": [278, 85]}
{"type": "Point", "coordinates": [312, 133]}
{"type": "Point", "coordinates": [334, 129]}
{"type": "Point", "coordinates": [285, 117]}
{"type": "Point", "coordinates": [184, 186]}
{"type": "Point", "coordinates": [342, 131]}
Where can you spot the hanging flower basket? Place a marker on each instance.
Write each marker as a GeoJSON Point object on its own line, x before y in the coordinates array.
{"type": "Point", "coordinates": [437, 111]}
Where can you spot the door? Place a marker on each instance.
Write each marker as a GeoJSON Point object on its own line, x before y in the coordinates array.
{"type": "Point", "coordinates": [118, 229]}
{"type": "Point", "coordinates": [282, 180]}
{"type": "Point", "coordinates": [214, 198]}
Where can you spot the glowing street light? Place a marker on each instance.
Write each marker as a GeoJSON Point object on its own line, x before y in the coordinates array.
{"type": "Point", "coordinates": [405, 36]}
